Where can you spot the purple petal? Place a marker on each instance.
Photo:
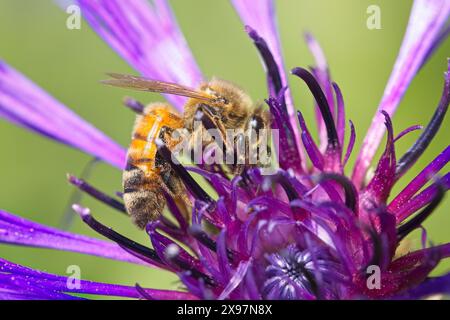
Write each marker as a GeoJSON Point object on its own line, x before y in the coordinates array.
{"type": "Point", "coordinates": [261, 17]}
{"type": "Point", "coordinates": [322, 102]}
{"type": "Point", "coordinates": [424, 237]}
{"type": "Point", "coordinates": [222, 256]}
{"type": "Point", "coordinates": [147, 37]}
{"type": "Point", "coordinates": [425, 23]}
{"type": "Point", "coordinates": [420, 180]}
{"type": "Point", "coordinates": [310, 146]}
{"type": "Point", "coordinates": [318, 54]}
{"type": "Point", "coordinates": [340, 118]}
{"type": "Point", "coordinates": [14, 287]}
{"type": "Point", "coordinates": [415, 222]}
{"type": "Point", "coordinates": [235, 280]}
{"type": "Point", "coordinates": [351, 143]}
{"type": "Point", "coordinates": [439, 40]}
{"type": "Point", "coordinates": [419, 147]}
{"type": "Point", "coordinates": [97, 194]}
{"type": "Point", "coordinates": [20, 231]}
{"type": "Point", "coordinates": [413, 268]}
{"type": "Point", "coordinates": [406, 131]}
{"type": "Point", "coordinates": [25, 104]}
{"type": "Point", "coordinates": [421, 200]}
{"type": "Point", "coordinates": [322, 74]}
{"type": "Point", "coordinates": [168, 250]}
{"type": "Point", "coordinates": [273, 73]}
{"type": "Point", "coordinates": [290, 157]}
{"type": "Point", "coordinates": [136, 249]}
{"type": "Point", "coordinates": [380, 185]}
{"type": "Point", "coordinates": [54, 285]}
{"type": "Point", "coordinates": [432, 286]}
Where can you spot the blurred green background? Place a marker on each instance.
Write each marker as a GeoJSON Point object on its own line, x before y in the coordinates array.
{"type": "Point", "coordinates": [68, 64]}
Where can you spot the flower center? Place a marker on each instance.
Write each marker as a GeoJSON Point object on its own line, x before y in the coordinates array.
{"type": "Point", "coordinates": [294, 273]}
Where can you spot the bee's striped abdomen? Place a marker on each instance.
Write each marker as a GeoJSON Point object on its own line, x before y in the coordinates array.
{"type": "Point", "coordinates": [142, 178]}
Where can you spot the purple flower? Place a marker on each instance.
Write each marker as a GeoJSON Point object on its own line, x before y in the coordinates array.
{"type": "Point", "coordinates": [304, 232]}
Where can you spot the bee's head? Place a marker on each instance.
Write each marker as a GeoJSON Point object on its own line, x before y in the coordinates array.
{"type": "Point", "coordinates": [236, 106]}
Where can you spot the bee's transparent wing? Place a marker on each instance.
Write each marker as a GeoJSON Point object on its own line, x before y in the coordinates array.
{"type": "Point", "coordinates": [143, 84]}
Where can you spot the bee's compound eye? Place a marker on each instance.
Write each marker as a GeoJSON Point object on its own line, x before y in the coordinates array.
{"type": "Point", "coordinates": [257, 123]}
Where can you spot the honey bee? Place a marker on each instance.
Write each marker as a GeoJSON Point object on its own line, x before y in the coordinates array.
{"type": "Point", "coordinates": [147, 176]}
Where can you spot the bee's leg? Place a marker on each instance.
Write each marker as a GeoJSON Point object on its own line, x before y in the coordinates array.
{"type": "Point", "coordinates": [217, 137]}
{"type": "Point", "coordinates": [240, 160]}
{"type": "Point", "coordinates": [174, 186]}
